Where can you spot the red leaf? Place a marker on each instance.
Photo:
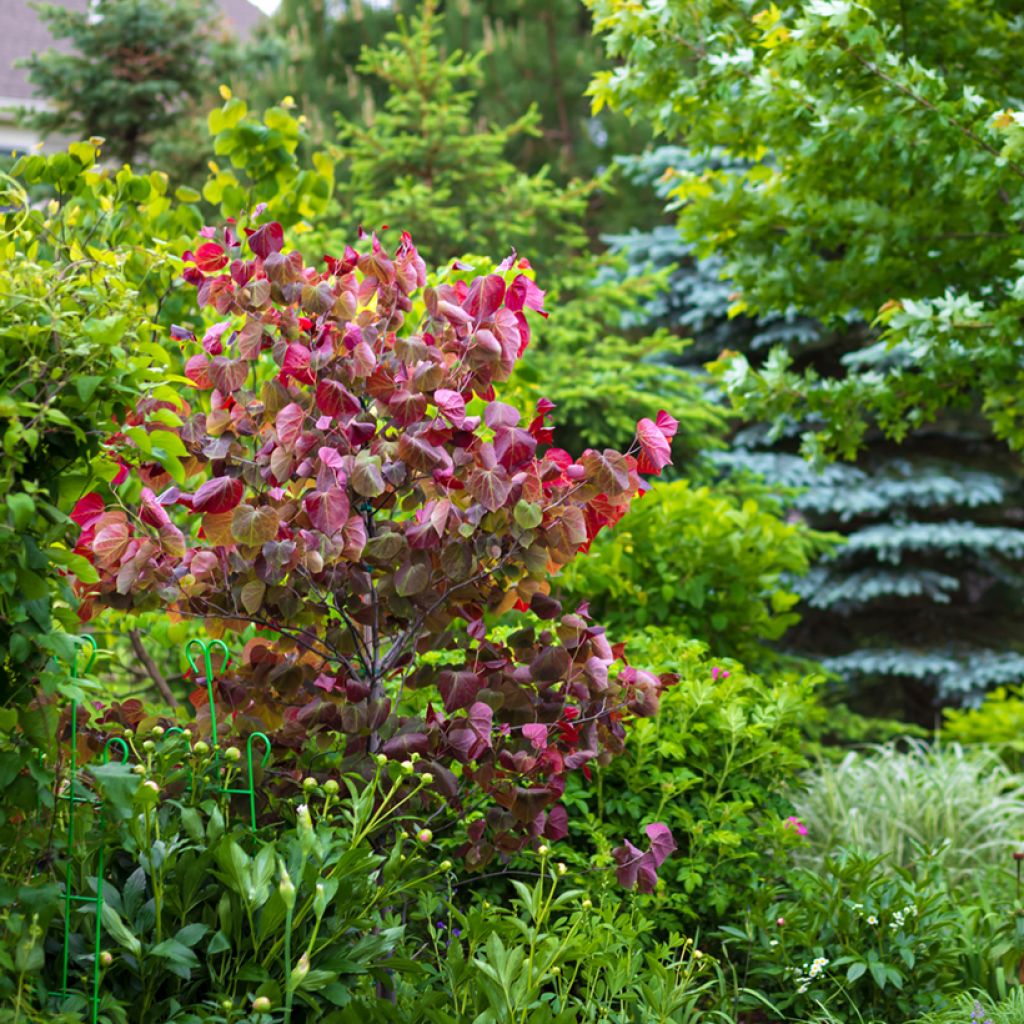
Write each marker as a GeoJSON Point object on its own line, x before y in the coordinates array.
{"type": "Point", "coordinates": [407, 407]}
{"type": "Point", "coordinates": [485, 296]}
{"type": "Point", "coordinates": [523, 292]}
{"type": "Point", "coordinates": [221, 494]}
{"type": "Point", "coordinates": [655, 451]}
{"type": "Point", "coordinates": [498, 414]}
{"type": "Point", "coordinates": [210, 257]}
{"type": "Point", "coordinates": [662, 842]}
{"type": "Point", "coordinates": [328, 510]}
{"type": "Point", "coordinates": [197, 369]}
{"type": "Point", "coordinates": [334, 399]}
{"type": "Point", "coordinates": [452, 406]}
{"type": "Point", "coordinates": [87, 510]}
{"type": "Point", "coordinates": [296, 363]}
{"type": "Point", "coordinates": [267, 239]}
{"type": "Point", "coordinates": [110, 542]}
{"type": "Point", "coordinates": [228, 374]}
{"type": "Point", "coordinates": [668, 425]}
{"type": "Point", "coordinates": [491, 487]}
{"type": "Point", "coordinates": [289, 424]}
{"type": "Point", "coordinates": [537, 734]}
{"type": "Point", "coordinates": [458, 689]}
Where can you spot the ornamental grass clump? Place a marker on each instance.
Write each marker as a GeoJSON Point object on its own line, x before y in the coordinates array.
{"type": "Point", "coordinates": [962, 803]}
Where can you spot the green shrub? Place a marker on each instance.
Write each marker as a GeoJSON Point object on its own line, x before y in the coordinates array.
{"type": "Point", "coordinates": [853, 939]}
{"type": "Point", "coordinates": [716, 765]}
{"type": "Point", "coordinates": [998, 723]}
{"type": "Point", "coordinates": [702, 561]}
{"type": "Point", "coordinates": [338, 908]}
{"type": "Point", "coordinates": [962, 803]}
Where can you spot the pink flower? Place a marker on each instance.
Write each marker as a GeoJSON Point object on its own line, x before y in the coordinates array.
{"type": "Point", "coordinates": [718, 673]}
{"type": "Point", "coordinates": [795, 823]}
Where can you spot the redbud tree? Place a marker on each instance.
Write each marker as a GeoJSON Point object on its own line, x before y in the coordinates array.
{"type": "Point", "coordinates": [340, 482]}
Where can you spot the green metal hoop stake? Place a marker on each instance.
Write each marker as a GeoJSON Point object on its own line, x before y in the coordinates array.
{"type": "Point", "coordinates": [73, 798]}
{"type": "Point", "coordinates": [207, 650]}
{"type": "Point", "coordinates": [192, 648]}
{"type": "Point", "coordinates": [250, 789]}
{"type": "Point", "coordinates": [95, 1001]}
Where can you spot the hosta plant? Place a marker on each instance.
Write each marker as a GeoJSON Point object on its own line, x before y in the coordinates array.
{"type": "Point", "coordinates": [339, 485]}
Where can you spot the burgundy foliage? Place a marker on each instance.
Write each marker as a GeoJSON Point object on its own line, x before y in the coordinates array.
{"type": "Point", "coordinates": [357, 492]}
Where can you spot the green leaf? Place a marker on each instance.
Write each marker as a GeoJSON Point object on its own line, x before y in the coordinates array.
{"type": "Point", "coordinates": [119, 931]}
{"type": "Point", "coordinates": [528, 514]}
{"type": "Point", "coordinates": [22, 509]}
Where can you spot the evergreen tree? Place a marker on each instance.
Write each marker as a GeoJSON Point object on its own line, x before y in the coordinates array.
{"type": "Point", "coordinates": [132, 69]}
{"type": "Point", "coordinates": [919, 605]}
{"type": "Point", "coordinates": [529, 53]}
{"type": "Point", "coordinates": [424, 161]}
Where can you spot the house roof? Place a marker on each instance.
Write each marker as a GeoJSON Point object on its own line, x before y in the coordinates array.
{"type": "Point", "coordinates": [23, 33]}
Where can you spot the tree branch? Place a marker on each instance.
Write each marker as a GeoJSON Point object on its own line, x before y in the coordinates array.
{"type": "Point", "coordinates": [152, 669]}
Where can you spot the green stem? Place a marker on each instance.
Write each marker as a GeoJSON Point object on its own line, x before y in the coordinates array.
{"type": "Point", "coordinates": [289, 990]}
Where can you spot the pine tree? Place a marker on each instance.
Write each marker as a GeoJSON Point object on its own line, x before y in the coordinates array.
{"type": "Point", "coordinates": [530, 53]}
{"type": "Point", "coordinates": [132, 70]}
{"type": "Point", "coordinates": [425, 162]}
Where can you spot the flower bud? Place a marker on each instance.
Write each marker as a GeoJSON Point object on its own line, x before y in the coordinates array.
{"type": "Point", "coordinates": [426, 778]}
{"type": "Point", "coordinates": [381, 759]}
{"type": "Point", "coordinates": [139, 769]}
{"type": "Point", "coordinates": [300, 970]}
{"type": "Point", "coordinates": [234, 754]}
{"type": "Point", "coordinates": [331, 787]}
{"type": "Point", "coordinates": [309, 783]}
{"type": "Point", "coordinates": [303, 819]}
{"type": "Point", "coordinates": [561, 868]}
{"type": "Point", "coordinates": [542, 850]}
{"type": "Point", "coordinates": [697, 954]}
{"type": "Point", "coordinates": [149, 746]}
{"type": "Point", "coordinates": [407, 767]}
{"type": "Point", "coordinates": [158, 731]}
{"type": "Point", "coordinates": [151, 785]}
{"type": "Point", "coordinates": [586, 904]}
{"type": "Point", "coordinates": [106, 958]}
{"type": "Point", "coordinates": [226, 1005]}
{"type": "Point", "coordinates": [556, 971]}
{"type": "Point", "coordinates": [414, 757]}
{"type": "Point", "coordinates": [781, 922]}
{"type": "Point", "coordinates": [202, 748]}
{"type": "Point", "coordinates": [424, 835]}
{"type": "Point", "coordinates": [446, 865]}
{"type": "Point", "coordinates": [261, 1004]}
{"type": "Point", "coordinates": [286, 889]}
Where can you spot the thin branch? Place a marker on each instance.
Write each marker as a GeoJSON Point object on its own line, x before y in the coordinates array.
{"type": "Point", "coordinates": [928, 105]}
{"type": "Point", "coordinates": [152, 668]}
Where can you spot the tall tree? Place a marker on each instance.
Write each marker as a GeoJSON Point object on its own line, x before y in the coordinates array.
{"type": "Point", "coordinates": [131, 69]}
{"type": "Point", "coordinates": [840, 160]}
{"type": "Point", "coordinates": [530, 54]}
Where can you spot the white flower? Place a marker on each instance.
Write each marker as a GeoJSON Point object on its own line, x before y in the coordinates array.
{"type": "Point", "coordinates": [872, 919]}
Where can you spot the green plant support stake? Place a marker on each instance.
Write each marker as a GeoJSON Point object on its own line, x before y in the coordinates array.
{"type": "Point", "coordinates": [74, 799]}
{"type": "Point", "coordinates": [207, 649]}
{"type": "Point", "coordinates": [192, 648]}
{"type": "Point", "coordinates": [250, 789]}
